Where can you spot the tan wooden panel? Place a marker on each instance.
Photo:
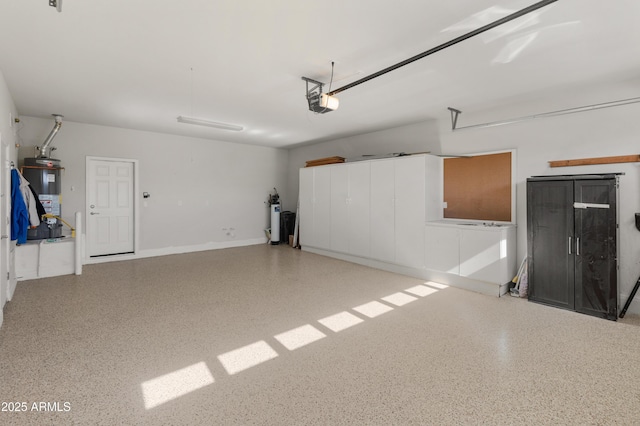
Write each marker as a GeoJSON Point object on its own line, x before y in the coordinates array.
{"type": "Point", "coordinates": [598, 160]}
{"type": "Point", "coordinates": [478, 187]}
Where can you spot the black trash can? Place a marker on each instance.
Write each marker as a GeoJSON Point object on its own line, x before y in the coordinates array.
{"type": "Point", "coordinates": [287, 225]}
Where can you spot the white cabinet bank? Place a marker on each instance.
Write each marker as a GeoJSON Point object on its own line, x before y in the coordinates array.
{"type": "Point", "coordinates": [387, 214]}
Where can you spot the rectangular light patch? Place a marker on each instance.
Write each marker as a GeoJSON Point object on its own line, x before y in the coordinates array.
{"type": "Point", "coordinates": [173, 385]}
{"type": "Point", "coordinates": [246, 357]}
{"type": "Point", "coordinates": [340, 321]}
{"type": "Point", "coordinates": [421, 290]}
{"type": "Point", "coordinates": [436, 285]}
{"type": "Point", "coordinates": [373, 309]}
{"type": "Point", "coordinates": [299, 337]}
{"type": "Point", "coordinates": [399, 299]}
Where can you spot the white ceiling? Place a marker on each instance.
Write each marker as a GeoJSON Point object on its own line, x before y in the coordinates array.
{"type": "Point", "coordinates": [140, 64]}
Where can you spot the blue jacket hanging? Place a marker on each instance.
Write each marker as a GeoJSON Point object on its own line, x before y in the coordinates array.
{"type": "Point", "coordinates": [19, 212]}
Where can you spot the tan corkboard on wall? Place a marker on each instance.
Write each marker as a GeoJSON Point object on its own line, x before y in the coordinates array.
{"type": "Point", "coordinates": [478, 187]}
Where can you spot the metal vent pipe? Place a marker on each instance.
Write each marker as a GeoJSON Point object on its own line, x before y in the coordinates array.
{"type": "Point", "coordinates": [47, 142]}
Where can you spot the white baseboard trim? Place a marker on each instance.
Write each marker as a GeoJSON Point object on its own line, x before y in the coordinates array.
{"type": "Point", "coordinates": [483, 287]}
{"type": "Point", "coordinates": [165, 251]}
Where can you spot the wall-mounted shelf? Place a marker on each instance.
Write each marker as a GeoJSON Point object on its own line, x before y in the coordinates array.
{"type": "Point", "coordinates": [597, 160]}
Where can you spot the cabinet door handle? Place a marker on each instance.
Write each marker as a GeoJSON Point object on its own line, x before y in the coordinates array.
{"type": "Point", "coordinates": [577, 246]}
{"type": "Point", "coordinates": [570, 244]}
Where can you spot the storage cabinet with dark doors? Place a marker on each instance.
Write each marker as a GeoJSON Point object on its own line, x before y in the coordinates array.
{"type": "Point", "coordinates": [572, 243]}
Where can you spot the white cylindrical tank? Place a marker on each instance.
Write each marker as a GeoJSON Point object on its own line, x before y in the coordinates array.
{"type": "Point", "coordinates": [275, 224]}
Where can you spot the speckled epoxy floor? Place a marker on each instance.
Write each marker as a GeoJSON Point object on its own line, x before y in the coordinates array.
{"type": "Point", "coordinates": [267, 335]}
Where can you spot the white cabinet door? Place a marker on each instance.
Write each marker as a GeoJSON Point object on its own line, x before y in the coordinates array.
{"type": "Point", "coordinates": [383, 240]}
{"type": "Point", "coordinates": [339, 209]}
{"type": "Point", "coordinates": [322, 207]}
{"type": "Point", "coordinates": [305, 213]}
{"type": "Point", "coordinates": [315, 207]}
{"type": "Point", "coordinates": [359, 209]}
{"type": "Point", "coordinates": [410, 210]}
{"type": "Point", "coordinates": [481, 254]}
{"type": "Point", "coordinates": [442, 251]}
{"type": "Point", "coordinates": [434, 188]}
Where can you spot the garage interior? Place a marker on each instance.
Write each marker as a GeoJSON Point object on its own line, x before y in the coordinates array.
{"type": "Point", "coordinates": [152, 294]}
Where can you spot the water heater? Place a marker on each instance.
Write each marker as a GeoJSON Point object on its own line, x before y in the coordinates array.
{"type": "Point", "coordinates": [44, 175]}
{"type": "Point", "coordinates": [275, 224]}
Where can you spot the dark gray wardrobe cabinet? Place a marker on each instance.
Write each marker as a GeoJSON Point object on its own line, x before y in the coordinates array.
{"type": "Point", "coordinates": [572, 243]}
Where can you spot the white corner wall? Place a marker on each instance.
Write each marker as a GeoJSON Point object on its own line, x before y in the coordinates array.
{"type": "Point", "coordinates": [197, 186]}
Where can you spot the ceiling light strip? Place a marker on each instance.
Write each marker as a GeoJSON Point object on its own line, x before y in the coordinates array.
{"type": "Point", "coordinates": [209, 123]}
{"type": "Point", "coordinates": [450, 43]}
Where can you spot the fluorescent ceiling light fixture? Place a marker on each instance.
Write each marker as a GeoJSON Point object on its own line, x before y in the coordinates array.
{"type": "Point", "coordinates": [209, 123]}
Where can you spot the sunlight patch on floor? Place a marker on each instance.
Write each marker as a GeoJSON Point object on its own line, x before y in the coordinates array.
{"type": "Point", "coordinates": [181, 382]}
{"type": "Point", "coordinates": [436, 285]}
{"type": "Point", "coordinates": [399, 299]}
{"type": "Point", "coordinates": [175, 384]}
{"type": "Point", "coordinates": [373, 309]}
{"type": "Point", "coordinates": [246, 357]}
{"type": "Point", "coordinates": [340, 321]}
{"type": "Point", "coordinates": [421, 290]}
{"type": "Point", "coordinates": [299, 337]}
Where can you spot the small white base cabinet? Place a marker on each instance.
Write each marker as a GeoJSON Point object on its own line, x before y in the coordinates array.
{"type": "Point", "coordinates": [45, 258]}
{"type": "Point", "coordinates": [472, 255]}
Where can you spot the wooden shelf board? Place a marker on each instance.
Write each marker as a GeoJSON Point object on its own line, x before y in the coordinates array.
{"type": "Point", "coordinates": [597, 160]}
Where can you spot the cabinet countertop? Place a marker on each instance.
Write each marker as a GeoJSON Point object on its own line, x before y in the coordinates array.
{"type": "Point", "coordinates": [470, 224]}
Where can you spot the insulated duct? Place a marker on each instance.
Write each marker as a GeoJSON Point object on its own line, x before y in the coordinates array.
{"type": "Point", "coordinates": [47, 142]}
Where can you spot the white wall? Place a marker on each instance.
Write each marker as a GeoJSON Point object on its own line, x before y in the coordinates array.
{"type": "Point", "coordinates": [197, 186]}
{"type": "Point", "coordinates": [596, 133]}
{"type": "Point", "coordinates": [7, 129]}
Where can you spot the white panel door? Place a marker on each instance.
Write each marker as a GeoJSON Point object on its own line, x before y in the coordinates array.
{"type": "Point", "coordinates": [382, 215]}
{"type": "Point", "coordinates": [410, 210]}
{"type": "Point", "coordinates": [339, 208]}
{"type": "Point", "coordinates": [322, 207]}
{"type": "Point", "coordinates": [359, 209]}
{"type": "Point", "coordinates": [110, 207]}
